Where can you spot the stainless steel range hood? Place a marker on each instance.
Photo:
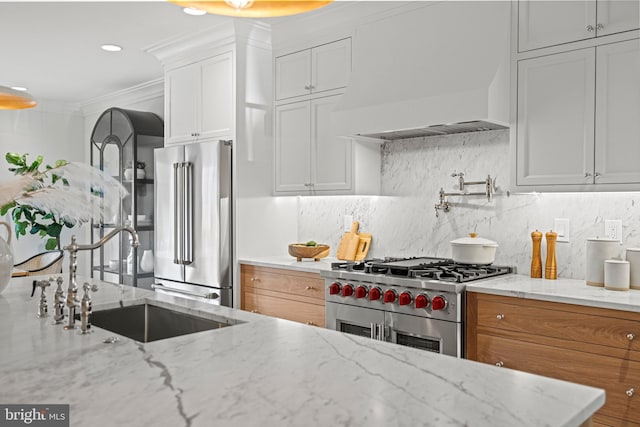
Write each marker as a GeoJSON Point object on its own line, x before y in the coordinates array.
{"type": "Point", "coordinates": [438, 68]}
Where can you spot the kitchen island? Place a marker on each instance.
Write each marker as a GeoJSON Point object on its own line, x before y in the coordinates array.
{"type": "Point", "coordinates": [260, 371]}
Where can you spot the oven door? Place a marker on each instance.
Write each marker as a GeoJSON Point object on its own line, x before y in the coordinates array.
{"type": "Point", "coordinates": [438, 336]}
{"type": "Point", "coordinates": [364, 322]}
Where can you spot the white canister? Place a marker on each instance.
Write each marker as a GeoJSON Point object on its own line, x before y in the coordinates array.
{"type": "Point", "coordinates": [616, 275]}
{"type": "Point", "coordinates": [598, 251]}
{"type": "Point", "coordinates": [633, 256]}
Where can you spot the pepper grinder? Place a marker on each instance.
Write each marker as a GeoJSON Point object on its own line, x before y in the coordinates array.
{"type": "Point", "coordinates": [536, 257]}
{"type": "Point", "coordinates": [550, 268]}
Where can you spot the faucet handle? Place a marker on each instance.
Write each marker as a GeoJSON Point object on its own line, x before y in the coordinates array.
{"type": "Point", "coordinates": [87, 287]}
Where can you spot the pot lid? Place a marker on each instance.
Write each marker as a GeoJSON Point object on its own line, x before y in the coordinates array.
{"type": "Point", "coordinates": [472, 240]}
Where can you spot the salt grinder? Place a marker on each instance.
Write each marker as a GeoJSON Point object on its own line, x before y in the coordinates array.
{"type": "Point", "coordinates": [550, 268]}
{"type": "Point", "coordinates": [536, 257]}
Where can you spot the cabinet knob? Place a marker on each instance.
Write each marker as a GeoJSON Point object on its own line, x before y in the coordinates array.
{"type": "Point", "coordinates": [254, 311]}
{"type": "Point", "coordinates": [630, 336]}
{"type": "Point", "coordinates": [590, 28]}
{"type": "Point", "coordinates": [500, 364]}
{"type": "Point", "coordinates": [600, 27]}
{"type": "Point", "coordinates": [255, 279]}
{"type": "Point", "coordinates": [307, 87]}
{"type": "Point", "coordinates": [309, 288]}
{"type": "Point", "coordinates": [587, 174]}
{"type": "Point", "coordinates": [311, 323]}
{"type": "Point", "coordinates": [630, 392]}
{"type": "Point", "coordinates": [308, 184]}
{"type": "Point", "coordinates": [597, 174]}
{"type": "Point", "coordinates": [500, 316]}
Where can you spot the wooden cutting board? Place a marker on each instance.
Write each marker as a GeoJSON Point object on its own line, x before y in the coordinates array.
{"type": "Point", "coordinates": [364, 241]}
{"type": "Point", "coordinates": [349, 244]}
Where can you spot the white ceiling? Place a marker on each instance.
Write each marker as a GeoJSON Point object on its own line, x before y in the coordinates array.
{"type": "Point", "coordinates": [53, 48]}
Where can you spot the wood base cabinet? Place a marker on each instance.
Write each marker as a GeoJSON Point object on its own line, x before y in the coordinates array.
{"type": "Point", "coordinates": [585, 345]}
{"type": "Point", "coordinates": [287, 294]}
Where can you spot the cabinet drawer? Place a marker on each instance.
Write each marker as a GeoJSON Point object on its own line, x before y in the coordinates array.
{"type": "Point", "coordinates": [308, 285]}
{"type": "Point", "coordinates": [567, 325]}
{"type": "Point", "coordinates": [311, 314]}
{"type": "Point", "coordinates": [616, 376]}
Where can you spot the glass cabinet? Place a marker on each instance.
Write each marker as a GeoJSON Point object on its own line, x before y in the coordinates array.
{"type": "Point", "coordinates": [122, 144]}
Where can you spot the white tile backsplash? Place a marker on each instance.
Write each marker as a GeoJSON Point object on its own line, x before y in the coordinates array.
{"type": "Point", "coordinates": [403, 222]}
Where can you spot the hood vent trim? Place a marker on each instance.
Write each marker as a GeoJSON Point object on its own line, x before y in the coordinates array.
{"type": "Point", "coordinates": [435, 130]}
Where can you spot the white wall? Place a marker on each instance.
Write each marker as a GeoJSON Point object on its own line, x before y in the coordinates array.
{"type": "Point", "coordinates": [52, 130]}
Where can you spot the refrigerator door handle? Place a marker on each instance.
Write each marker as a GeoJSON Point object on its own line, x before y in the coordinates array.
{"type": "Point", "coordinates": [188, 214]}
{"type": "Point", "coordinates": [176, 204]}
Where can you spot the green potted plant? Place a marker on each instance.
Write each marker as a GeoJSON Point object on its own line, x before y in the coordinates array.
{"type": "Point", "coordinates": [43, 202]}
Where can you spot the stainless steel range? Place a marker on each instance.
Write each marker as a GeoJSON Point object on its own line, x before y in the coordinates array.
{"type": "Point", "coordinates": [417, 302]}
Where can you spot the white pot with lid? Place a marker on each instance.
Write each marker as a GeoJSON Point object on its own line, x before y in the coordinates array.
{"type": "Point", "coordinates": [598, 251]}
{"type": "Point", "coordinates": [473, 250]}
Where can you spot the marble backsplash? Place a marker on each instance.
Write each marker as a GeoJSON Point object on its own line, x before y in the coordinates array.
{"type": "Point", "coordinates": [403, 221]}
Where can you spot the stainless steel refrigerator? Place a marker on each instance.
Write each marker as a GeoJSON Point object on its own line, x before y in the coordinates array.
{"type": "Point", "coordinates": [193, 239]}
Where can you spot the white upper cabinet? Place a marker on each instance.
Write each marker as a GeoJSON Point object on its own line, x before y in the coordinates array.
{"type": "Point", "coordinates": [318, 69]}
{"type": "Point", "coordinates": [549, 23]}
{"type": "Point", "coordinates": [555, 118]}
{"type": "Point", "coordinates": [617, 127]}
{"type": "Point", "coordinates": [199, 102]}
{"type": "Point", "coordinates": [309, 157]}
{"type": "Point", "coordinates": [577, 120]}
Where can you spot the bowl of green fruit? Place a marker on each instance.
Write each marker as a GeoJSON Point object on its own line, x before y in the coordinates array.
{"type": "Point", "coordinates": [310, 249]}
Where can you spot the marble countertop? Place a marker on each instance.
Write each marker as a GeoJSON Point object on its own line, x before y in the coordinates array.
{"type": "Point", "coordinates": [570, 291]}
{"type": "Point", "coordinates": [262, 372]}
{"type": "Point", "coordinates": [290, 263]}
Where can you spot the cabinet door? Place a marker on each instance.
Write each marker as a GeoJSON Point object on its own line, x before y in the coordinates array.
{"type": "Point", "coordinates": [547, 23]}
{"type": "Point", "coordinates": [293, 147]}
{"type": "Point", "coordinates": [216, 100]}
{"type": "Point", "coordinates": [331, 65]}
{"type": "Point", "coordinates": [293, 74]}
{"type": "Point", "coordinates": [181, 89]}
{"type": "Point", "coordinates": [618, 113]}
{"type": "Point", "coordinates": [332, 156]}
{"type": "Point", "coordinates": [616, 16]}
{"type": "Point", "coordinates": [555, 136]}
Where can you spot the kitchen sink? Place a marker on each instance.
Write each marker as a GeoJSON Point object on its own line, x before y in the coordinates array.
{"type": "Point", "coordinates": [146, 323]}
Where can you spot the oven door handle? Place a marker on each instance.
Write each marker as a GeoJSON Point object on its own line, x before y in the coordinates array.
{"type": "Point", "coordinates": [374, 331]}
{"type": "Point", "coordinates": [381, 332]}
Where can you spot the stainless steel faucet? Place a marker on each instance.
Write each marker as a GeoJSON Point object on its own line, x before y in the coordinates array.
{"type": "Point", "coordinates": [72, 291]}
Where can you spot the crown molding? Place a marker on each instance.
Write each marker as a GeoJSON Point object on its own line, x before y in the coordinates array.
{"type": "Point", "coordinates": [138, 93]}
{"type": "Point", "coordinates": [205, 43]}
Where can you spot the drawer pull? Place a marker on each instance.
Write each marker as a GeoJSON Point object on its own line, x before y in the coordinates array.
{"type": "Point", "coordinates": [311, 323]}
{"type": "Point", "coordinates": [630, 336]}
{"type": "Point", "coordinates": [309, 288]}
{"type": "Point", "coordinates": [500, 364]}
{"type": "Point", "coordinates": [255, 311]}
{"type": "Point", "coordinates": [630, 392]}
{"type": "Point", "coordinates": [255, 279]}
{"type": "Point", "coordinates": [500, 316]}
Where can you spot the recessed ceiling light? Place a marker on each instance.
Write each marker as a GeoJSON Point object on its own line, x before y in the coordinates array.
{"type": "Point", "coordinates": [111, 47]}
{"type": "Point", "coordinates": [193, 11]}
{"type": "Point", "coordinates": [20, 88]}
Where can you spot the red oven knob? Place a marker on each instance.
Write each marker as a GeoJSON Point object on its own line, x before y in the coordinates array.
{"type": "Point", "coordinates": [374, 294]}
{"type": "Point", "coordinates": [438, 303]}
{"type": "Point", "coordinates": [361, 292]}
{"type": "Point", "coordinates": [422, 301]}
{"type": "Point", "coordinates": [347, 290]}
{"type": "Point", "coordinates": [334, 288]}
{"type": "Point", "coordinates": [404, 298]}
{"type": "Point", "coordinates": [389, 296]}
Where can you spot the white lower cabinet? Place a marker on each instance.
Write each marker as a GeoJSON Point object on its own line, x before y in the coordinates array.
{"type": "Point", "coordinates": [577, 119]}
{"type": "Point", "coordinates": [311, 159]}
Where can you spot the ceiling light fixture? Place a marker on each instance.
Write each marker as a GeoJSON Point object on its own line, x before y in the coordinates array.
{"type": "Point", "coordinates": [253, 8]}
{"type": "Point", "coordinates": [111, 47]}
{"type": "Point", "coordinates": [193, 11]}
{"type": "Point", "coordinates": [12, 99]}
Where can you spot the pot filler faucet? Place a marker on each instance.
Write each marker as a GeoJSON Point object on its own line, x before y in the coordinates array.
{"type": "Point", "coordinates": [72, 291]}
